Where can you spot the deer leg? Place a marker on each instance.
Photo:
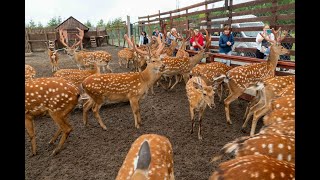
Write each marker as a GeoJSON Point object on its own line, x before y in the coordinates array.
{"type": "Point", "coordinates": [177, 80]}
{"type": "Point", "coordinates": [87, 105]}
{"type": "Point", "coordinates": [251, 110]}
{"type": "Point", "coordinates": [55, 136]}
{"type": "Point", "coordinates": [134, 103]}
{"type": "Point", "coordinates": [95, 110]}
{"type": "Point", "coordinates": [31, 132]}
{"type": "Point", "coordinates": [120, 62]}
{"type": "Point", "coordinates": [192, 119]}
{"type": "Point", "coordinates": [185, 77]}
{"type": "Point", "coordinates": [127, 63]}
{"type": "Point", "coordinates": [219, 91]}
{"type": "Point", "coordinates": [232, 96]}
{"type": "Point", "coordinates": [201, 111]}
{"type": "Point", "coordinates": [61, 120]}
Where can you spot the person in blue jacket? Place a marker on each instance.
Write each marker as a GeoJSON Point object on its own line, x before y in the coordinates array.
{"type": "Point", "coordinates": [226, 42]}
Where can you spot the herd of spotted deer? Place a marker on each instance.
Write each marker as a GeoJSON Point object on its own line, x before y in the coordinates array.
{"type": "Point", "coordinates": [269, 154]}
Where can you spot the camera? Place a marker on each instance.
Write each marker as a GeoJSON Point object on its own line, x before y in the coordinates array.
{"type": "Point", "coordinates": [268, 31]}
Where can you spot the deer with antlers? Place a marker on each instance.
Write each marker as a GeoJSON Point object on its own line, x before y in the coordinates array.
{"type": "Point", "coordinates": [269, 89]}
{"type": "Point", "coordinates": [29, 72]}
{"type": "Point", "coordinates": [150, 157]}
{"type": "Point", "coordinates": [254, 167]}
{"type": "Point", "coordinates": [277, 146]}
{"type": "Point", "coordinates": [200, 95]}
{"type": "Point", "coordinates": [121, 87]}
{"type": "Point", "coordinates": [52, 95]}
{"type": "Point", "coordinates": [242, 77]}
{"type": "Point", "coordinates": [83, 58]}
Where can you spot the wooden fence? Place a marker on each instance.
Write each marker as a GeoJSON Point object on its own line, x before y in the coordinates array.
{"type": "Point", "coordinates": [211, 17]}
{"type": "Point", "coordinates": [35, 38]}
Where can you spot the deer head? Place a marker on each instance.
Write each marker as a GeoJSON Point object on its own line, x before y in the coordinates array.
{"type": "Point", "coordinates": [206, 91]}
{"type": "Point", "coordinates": [70, 50]}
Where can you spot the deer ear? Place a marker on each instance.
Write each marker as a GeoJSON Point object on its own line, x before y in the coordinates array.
{"type": "Point", "coordinates": [197, 86]}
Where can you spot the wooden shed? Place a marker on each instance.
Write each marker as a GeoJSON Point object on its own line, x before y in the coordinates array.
{"type": "Point", "coordinates": [70, 25]}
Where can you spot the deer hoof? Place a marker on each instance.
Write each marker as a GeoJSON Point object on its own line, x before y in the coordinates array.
{"type": "Point", "coordinates": [55, 152]}
{"type": "Point", "coordinates": [104, 128]}
{"type": "Point", "coordinates": [200, 138]}
{"type": "Point", "coordinates": [229, 122]}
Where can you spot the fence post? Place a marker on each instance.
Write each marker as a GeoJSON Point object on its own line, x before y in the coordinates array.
{"type": "Point", "coordinates": [118, 36]}
{"type": "Point", "coordinates": [128, 26]}
{"type": "Point", "coordinates": [273, 22]}
{"type": "Point", "coordinates": [187, 21]}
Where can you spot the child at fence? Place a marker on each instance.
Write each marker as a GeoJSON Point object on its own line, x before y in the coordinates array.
{"type": "Point", "coordinates": [226, 42]}
{"type": "Point", "coordinates": [143, 38]}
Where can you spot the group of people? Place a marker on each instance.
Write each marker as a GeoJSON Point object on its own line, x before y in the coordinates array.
{"type": "Point", "coordinates": [226, 41]}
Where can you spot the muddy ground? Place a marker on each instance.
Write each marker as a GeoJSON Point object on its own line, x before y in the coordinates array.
{"type": "Point", "coordinates": [92, 153]}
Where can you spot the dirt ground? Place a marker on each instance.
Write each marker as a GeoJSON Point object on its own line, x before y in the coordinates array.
{"type": "Point", "coordinates": [92, 153]}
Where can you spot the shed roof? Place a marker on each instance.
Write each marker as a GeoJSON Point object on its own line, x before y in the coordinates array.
{"type": "Point", "coordinates": [71, 23]}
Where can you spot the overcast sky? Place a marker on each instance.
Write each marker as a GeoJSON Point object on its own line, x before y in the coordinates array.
{"type": "Point", "coordinates": [94, 10]}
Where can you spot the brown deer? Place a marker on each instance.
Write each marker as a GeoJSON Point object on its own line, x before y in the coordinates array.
{"type": "Point", "coordinates": [181, 51]}
{"type": "Point", "coordinates": [200, 95]}
{"type": "Point", "coordinates": [52, 95]}
{"type": "Point", "coordinates": [254, 167]}
{"type": "Point", "coordinates": [276, 146]}
{"type": "Point", "coordinates": [284, 127]}
{"type": "Point", "coordinates": [126, 55]}
{"type": "Point", "coordinates": [241, 77]}
{"type": "Point", "coordinates": [279, 115]}
{"type": "Point", "coordinates": [54, 59]}
{"type": "Point", "coordinates": [150, 157]}
{"type": "Point", "coordinates": [121, 87]}
{"type": "Point", "coordinates": [283, 102]}
{"type": "Point", "coordinates": [29, 72]}
{"type": "Point", "coordinates": [76, 76]}
{"type": "Point", "coordinates": [210, 71]}
{"type": "Point", "coordinates": [271, 88]}
{"type": "Point", "coordinates": [83, 58]}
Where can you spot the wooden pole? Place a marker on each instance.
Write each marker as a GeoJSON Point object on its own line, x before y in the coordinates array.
{"type": "Point", "coordinates": [118, 36]}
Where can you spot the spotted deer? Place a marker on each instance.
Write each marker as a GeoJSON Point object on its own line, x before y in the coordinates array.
{"type": "Point", "coordinates": [76, 76]}
{"type": "Point", "coordinates": [284, 127]}
{"type": "Point", "coordinates": [121, 87]}
{"type": "Point", "coordinates": [279, 115]}
{"type": "Point", "coordinates": [83, 58]}
{"type": "Point", "coordinates": [276, 146]}
{"type": "Point", "coordinates": [200, 95]}
{"type": "Point", "coordinates": [181, 51]}
{"type": "Point", "coordinates": [150, 157]}
{"type": "Point", "coordinates": [126, 55]}
{"type": "Point", "coordinates": [29, 72]}
{"type": "Point", "coordinates": [270, 89]}
{"type": "Point", "coordinates": [242, 77]}
{"type": "Point", "coordinates": [54, 59]}
{"type": "Point", "coordinates": [210, 71]}
{"type": "Point", "coordinates": [254, 167]}
{"type": "Point", "coordinates": [52, 95]}
{"type": "Point", "coordinates": [285, 102]}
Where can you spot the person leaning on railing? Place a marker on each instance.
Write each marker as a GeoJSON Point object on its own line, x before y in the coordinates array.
{"type": "Point", "coordinates": [226, 42]}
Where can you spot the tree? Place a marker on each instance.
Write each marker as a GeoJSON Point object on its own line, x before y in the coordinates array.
{"type": "Point", "coordinates": [32, 24]}
{"type": "Point", "coordinates": [88, 23]}
{"type": "Point", "coordinates": [100, 23]}
{"type": "Point", "coordinates": [55, 21]}
{"type": "Point", "coordinates": [40, 25]}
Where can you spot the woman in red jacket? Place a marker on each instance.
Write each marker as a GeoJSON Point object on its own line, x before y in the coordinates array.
{"type": "Point", "coordinates": [196, 41]}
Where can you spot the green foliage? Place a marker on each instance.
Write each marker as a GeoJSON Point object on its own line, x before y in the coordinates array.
{"type": "Point", "coordinates": [88, 24]}
{"type": "Point", "coordinates": [114, 23]}
{"type": "Point", "coordinates": [55, 21]}
{"type": "Point", "coordinates": [100, 23]}
{"type": "Point", "coordinates": [40, 25]}
{"type": "Point", "coordinates": [32, 24]}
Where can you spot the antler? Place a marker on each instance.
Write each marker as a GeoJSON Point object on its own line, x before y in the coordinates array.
{"type": "Point", "coordinates": [63, 37]}
{"type": "Point", "coordinates": [160, 46]}
{"type": "Point", "coordinates": [164, 29]}
{"type": "Point", "coordinates": [134, 46]}
{"type": "Point", "coordinates": [80, 36]}
{"type": "Point", "coordinates": [208, 40]}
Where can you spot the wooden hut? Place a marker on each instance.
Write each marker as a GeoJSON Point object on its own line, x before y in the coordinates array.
{"type": "Point", "coordinates": [70, 25]}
